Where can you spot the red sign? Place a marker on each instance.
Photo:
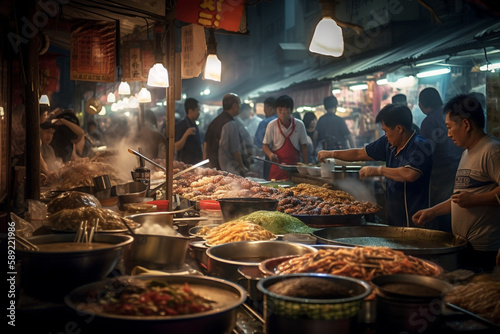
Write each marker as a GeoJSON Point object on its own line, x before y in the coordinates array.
{"type": "Point", "coordinates": [93, 51]}
{"type": "Point", "coordinates": [217, 14]}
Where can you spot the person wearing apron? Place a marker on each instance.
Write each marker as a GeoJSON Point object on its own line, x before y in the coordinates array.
{"type": "Point", "coordinates": [283, 136]}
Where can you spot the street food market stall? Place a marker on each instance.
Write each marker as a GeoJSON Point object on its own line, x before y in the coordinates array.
{"type": "Point", "coordinates": [235, 258]}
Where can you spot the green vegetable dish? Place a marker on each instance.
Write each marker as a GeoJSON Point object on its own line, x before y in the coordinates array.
{"type": "Point", "coordinates": [277, 222]}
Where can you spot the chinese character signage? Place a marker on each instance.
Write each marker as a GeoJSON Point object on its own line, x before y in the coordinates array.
{"type": "Point", "coordinates": [137, 59]}
{"type": "Point", "coordinates": [93, 51]}
{"type": "Point", "coordinates": [194, 49]}
{"type": "Point", "coordinates": [217, 14]}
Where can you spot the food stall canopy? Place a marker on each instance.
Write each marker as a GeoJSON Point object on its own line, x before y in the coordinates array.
{"type": "Point", "coordinates": [444, 41]}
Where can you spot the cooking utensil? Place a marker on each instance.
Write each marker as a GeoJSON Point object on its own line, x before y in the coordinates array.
{"type": "Point", "coordinates": [147, 159]}
{"type": "Point", "coordinates": [285, 314]}
{"type": "Point", "coordinates": [287, 168]}
{"type": "Point", "coordinates": [28, 245]}
{"type": "Point", "coordinates": [474, 316]}
{"type": "Point", "coordinates": [221, 319]}
{"type": "Point", "coordinates": [49, 275]}
{"type": "Point", "coordinates": [201, 163]}
{"type": "Point", "coordinates": [225, 259]}
{"type": "Point", "coordinates": [440, 247]}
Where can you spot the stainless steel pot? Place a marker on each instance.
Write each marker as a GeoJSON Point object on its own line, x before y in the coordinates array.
{"type": "Point", "coordinates": [440, 247]}
{"type": "Point", "coordinates": [224, 260]}
{"type": "Point", "coordinates": [49, 275]}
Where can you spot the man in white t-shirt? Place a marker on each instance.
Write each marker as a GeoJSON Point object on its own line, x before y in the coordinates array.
{"type": "Point", "coordinates": [285, 141]}
{"type": "Point", "coordinates": [475, 203]}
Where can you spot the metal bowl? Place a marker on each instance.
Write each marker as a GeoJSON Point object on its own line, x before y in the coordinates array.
{"type": "Point", "coordinates": [285, 314]}
{"type": "Point", "coordinates": [440, 247]}
{"type": "Point", "coordinates": [131, 192]}
{"type": "Point", "coordinates": [224, 260]}
{"type": "Point", "coordinates": [233, 208]}
{"type": "Point", "coordinates": [222, 319]}
{"type": "Point", "coordinates": [49, 275]}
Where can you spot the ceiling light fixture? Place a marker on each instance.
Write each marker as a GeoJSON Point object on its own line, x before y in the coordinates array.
{"type": "Point", "coordinates": [44, 99]}
{"type": "Point", "coordinates": [432, 73]}
{"type": "Point", "coordinates": [144, 95]}
{"type": "Point", "coordinates": [124, 88]}
{"type": "Point", "coordinates": [158, 74]}
{"type": "Point", "coordinates": [382, 82]}
{"type": "Point", "coordinates": [490, 67]}
{"type": "Point", "coordinates": [111, 97]}
{"type": "Point", "coordinates": [327, 39]}
{"type": "Point", "coordinates": [213, 66]}
{"type": "Point", "coordinates": [359, 87]}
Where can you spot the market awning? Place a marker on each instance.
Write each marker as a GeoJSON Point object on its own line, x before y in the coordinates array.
{"type": "Point", "coordinates": [440, 41]}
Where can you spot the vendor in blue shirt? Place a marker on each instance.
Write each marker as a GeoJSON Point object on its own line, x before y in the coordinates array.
{"type": "Point", "coordinates": [408, 159]}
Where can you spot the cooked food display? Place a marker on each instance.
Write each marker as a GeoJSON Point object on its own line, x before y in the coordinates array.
{"type": "Point", "coordinates": [277, 222]}
{"type": "Point", "coordinates": [141, 298]}
{"type": "Point", "coordinates": [80, 173]}
{"type": "Point", "coordinates": [70, 219]}
{"type": "Point", "coordinates": [363, 263]}
{"type": "Point", "coordinates": [303, 199]}
{"type": "Point", "coordinates": [72, 200]}
{"type": "Point", "coordinates": [237, 230]}
{"type": "Point", "coordinates": [310, 287]}
{"type": "Point", "coordinates": [481, 298]}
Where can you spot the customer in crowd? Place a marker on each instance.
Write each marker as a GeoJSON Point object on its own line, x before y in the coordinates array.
{"type": "Point", "coordinates": [475, 203]}
{"type": "Point", "coordinates": [401, 99]}
{"type": "Point", "coordinates": [250, 120]}
{"type": "Point", "coordinates": [147, 136]}
{"type": "Point", "coordinates": [408, 159]}
{"type": "Point", "coordinates": [446, 154]}
{"type": "Point", "coordinates": [270, 112]}
{"type": "Point", "coordinates": [333, 132]}
{"type": "Point", "coordinates": [222, 144]}
{"type": "Point", "coordinates": [310, 120]}
{"type": "Point", "coordinates": [187, 134]}
{"type": "Point", "coordinates": [69, 141]}
{"type": "Point", "coordinates": [285, 141]}
{"type": "Point", "coordinates": [49, 165]}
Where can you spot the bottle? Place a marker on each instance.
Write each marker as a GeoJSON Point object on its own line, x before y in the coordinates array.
{"type": "Point", "coordinates": [142, 173]}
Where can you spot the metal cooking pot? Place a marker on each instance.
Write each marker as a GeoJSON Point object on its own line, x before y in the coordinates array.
{"type": "Point", "coordinates": [222, 319]}
{"type": "Point", "coordinates": [440, 247]}
{"type": "Point", "coordinates": [49, 275]}
{"type": "Point", "coordinates": [225, 260]}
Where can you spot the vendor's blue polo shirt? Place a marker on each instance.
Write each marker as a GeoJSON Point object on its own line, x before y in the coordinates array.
{"type": "Point", "coordinates": [404, 199]}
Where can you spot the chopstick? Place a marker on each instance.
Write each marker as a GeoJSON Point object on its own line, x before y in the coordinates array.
{"type": "Point", "coordinates": [26, 243]}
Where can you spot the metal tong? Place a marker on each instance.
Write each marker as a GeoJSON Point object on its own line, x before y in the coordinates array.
{"type": "Point", "coordinates": [28, 245]}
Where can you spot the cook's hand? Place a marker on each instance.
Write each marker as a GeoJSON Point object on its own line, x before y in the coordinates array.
{"type": "Point", "coordinates": [368, 171]}
{"type": "Point", "coordinates": [463, 199]}
{"type": "Point", "coordinates": [323, 154]}
{"type": "Point", "coordinates": [274, 158]}
{"type": "Point", "coordinates": [422, 217]}
{"type": "Point", "coordinates": [191, 131]}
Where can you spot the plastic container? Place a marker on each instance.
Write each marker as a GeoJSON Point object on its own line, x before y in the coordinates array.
{"type": "Point", "coordinates": [211, 210]}
{"type": "Point", "coordinates": [162, 205]}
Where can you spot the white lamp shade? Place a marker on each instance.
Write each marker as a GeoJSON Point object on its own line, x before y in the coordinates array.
{"type": "Point", "coordinates": [327, 39]}
{"type": "Point", "coordinates": [111, 97]}
{"type": "Point", "coordinates": [158, 76]}
{"type": "Point", "coordinates": [44, 99]}
{"type": "Point", "coordinates": [144, 95]}
{"type": "Point", "coordinates": [124, 88]}
{"type": "Point", "coordinates": [213, 68]}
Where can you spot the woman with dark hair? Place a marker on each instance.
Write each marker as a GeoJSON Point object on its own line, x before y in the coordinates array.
{"type": "Point", "coordinates": [69, 142]}
{"type": "Point", "coordinates": [310, 120]}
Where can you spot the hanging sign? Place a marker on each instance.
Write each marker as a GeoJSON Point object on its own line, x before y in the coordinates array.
{"type": "Point", "coordinates": [194, 49]}
{"type": "Point", "coordinates": [93, 51]}
{"type": "Point", "coordinates": [217, 14]}
{"type": "Point", "coordinates": [137, 58]}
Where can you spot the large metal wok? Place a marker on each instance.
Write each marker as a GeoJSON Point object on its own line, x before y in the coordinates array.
{"type": "Point", "coordinates": [440, 247]}
{"type": "Point", "coordinates": [222, 319]}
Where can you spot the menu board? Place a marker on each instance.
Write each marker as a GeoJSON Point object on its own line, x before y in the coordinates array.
{"type": "Point", "coordinates": [137, 59]}
{"type": "Point", "coordinates": [93, 51]}
{"type": "Point", "coordinates": [493, 103]}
